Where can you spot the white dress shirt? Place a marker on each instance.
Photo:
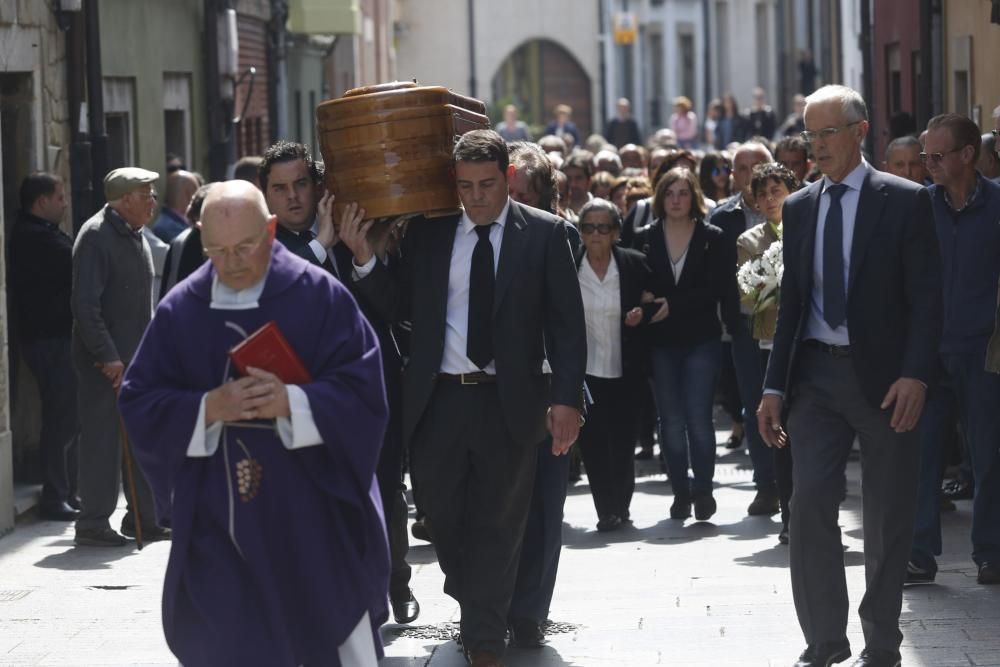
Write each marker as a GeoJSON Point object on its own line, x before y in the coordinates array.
{"type": "Point", "coordinates": [817, 327]}
{"type": "Point", "coordinates": [602, 310]}
{"type": "Point", "coordinates": [296, 431]}
{"type": "Point", "coordinates": [455, 361]}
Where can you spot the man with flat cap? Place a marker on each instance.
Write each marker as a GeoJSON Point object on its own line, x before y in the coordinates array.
{"type": "Point", "coordinates": [112, 303]}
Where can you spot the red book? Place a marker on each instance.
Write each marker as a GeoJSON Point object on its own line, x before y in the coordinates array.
{"type": "Point", "coordinates": [268, 349]}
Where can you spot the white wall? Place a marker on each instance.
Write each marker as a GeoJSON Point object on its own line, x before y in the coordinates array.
{"type": "Point", "coordinates": [433, 44]}
{"type": "Point", "coordinates": [745, 48]}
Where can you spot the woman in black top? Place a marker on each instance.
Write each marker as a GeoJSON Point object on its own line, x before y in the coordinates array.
{"type": "Point", "coordinates": [612, 281]}
{"type": "Point", "coordinates": [692, 266]}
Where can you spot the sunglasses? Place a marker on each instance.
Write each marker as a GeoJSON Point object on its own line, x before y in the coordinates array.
{"type": "Point", "coordinates": [602, 228]}
{"type": "Point", "coordinates": [936, 158]}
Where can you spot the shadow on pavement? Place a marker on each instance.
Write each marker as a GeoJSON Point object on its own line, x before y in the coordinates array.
{"type": "Point", "coordinates": [87, 558]}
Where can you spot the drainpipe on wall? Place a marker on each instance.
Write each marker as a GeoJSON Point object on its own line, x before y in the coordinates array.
{"type": "Point", "coordinates": [472, 50]}
{"type": "Point", "coordinates": [867, 72]}
{"type": "Point", "coordinates": [278, 69]}
{"type": "Point", "coordinates": [95, 104]}
{"type": "Point", "coordinates": [80, 176]}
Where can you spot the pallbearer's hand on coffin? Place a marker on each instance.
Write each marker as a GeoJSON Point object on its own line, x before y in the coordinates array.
{"type": "Point", "coordinates": [326, 232]}
{"type": "Point", "coordinates": [354, 233]}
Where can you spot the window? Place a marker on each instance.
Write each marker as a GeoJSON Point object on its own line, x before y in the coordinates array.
{"type": "Point", "coordinates": [685, 63]}
{"type": "Point", "coordinates": [177, 116]}
{"type": "Point", "coordinates": [656, 61]}
{"type": "Point", "coordinates": [17, 132]}
{"type": "Point", "coordinates": [894, 79]}
{"type": "Point", "coordinates": [763, 41]}
{"type": "Point", "coordinates": [119, 115]}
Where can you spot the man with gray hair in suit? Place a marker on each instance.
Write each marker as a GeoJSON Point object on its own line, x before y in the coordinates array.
{"type": "Point", "coordinates": [859, 324]}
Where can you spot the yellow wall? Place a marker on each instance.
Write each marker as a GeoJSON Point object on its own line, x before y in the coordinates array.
{"type": "Point", "coordinates": [972, 18]}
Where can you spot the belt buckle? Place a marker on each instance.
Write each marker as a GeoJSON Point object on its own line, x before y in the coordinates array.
{"type": "Point", "coordinates": [461, 379]}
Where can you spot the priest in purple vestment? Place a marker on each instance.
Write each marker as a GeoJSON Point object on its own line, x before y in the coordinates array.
{"type": "Point", "coordinates": [279, 553]}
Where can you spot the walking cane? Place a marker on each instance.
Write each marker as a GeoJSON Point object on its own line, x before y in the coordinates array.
{"type": "Point", "coordinates": [130, 480]}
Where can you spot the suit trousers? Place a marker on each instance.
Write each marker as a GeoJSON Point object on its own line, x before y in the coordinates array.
{"type": "Point", "coordinates": [827, 408]}
{"type": "Point", "coordinates": [750, 380]}
{"type": "Point", "coordinates": [389, 473]}
{"type": "Point", "coordinates": [606, 445]}
{"type": "Point", "coordinates": [52, 365]}
{"type": "Point", "coordinates": [474, 483]}
{"type": "Point", "coordinates": [539, 563]}
{"type": "Point", "coordinates": [101, 463]}
{"type": "Point", "coordinates": [782, 463]}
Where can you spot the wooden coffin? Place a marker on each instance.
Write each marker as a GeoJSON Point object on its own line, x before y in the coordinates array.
{"type": "Point", "coordinates": [388, 147]}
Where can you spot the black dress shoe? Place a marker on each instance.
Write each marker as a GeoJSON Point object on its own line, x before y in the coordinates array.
{"type": "Point", "coordinates": [765, 503]}
{"type": "Point", "coordinates": [916, 574]}
{"type": "Point", "coordinates": [681, 508]}
{"type": "Point", "coordinates": [405, 609]}
{"type": "Point", "coordinates": [149, 534]}
{"type": "Point", "coordinates": [57, 511]}
{"type": "Point", "coordinates": [957, 489]}
{"type": "Point", "coordinates": [704, 507]}
{"type": "Point", "coordinates": [783, 535]}
{"type": "Point", "coordinates": [878, 657]}
{"type": "Point", "coordinates": [989, 573]}
{"type": "Point", "coordinates": [824, 655]}
{"type": "Point", "coordinates": [100, 537]}
{"type": "Point", "coordinates": [609, 523]}
{"type": "Point", "coordinates": [525, 633]}
{"type": "Point", "coordinates": [420, 530]}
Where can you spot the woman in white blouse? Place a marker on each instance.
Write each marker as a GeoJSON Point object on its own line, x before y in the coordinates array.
{"type": "Point", "coordinates": [612, 280]}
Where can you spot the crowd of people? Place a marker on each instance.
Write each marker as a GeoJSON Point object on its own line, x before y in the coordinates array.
{"type": "Point", "coordinates": [607, 293]}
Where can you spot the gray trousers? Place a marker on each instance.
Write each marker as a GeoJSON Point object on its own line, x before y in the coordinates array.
{"type": "Point", "coordinates": [827, 408]}
{"type": "Point", "coordinates": [100, 463]}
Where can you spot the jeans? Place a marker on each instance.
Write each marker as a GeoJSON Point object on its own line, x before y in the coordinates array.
{"type": "Point", "coordinates": [684, 379]}
{"type": "Point", "coordinates": [750, 378]}
{"type": "Point", "coordinates": [975, 393]}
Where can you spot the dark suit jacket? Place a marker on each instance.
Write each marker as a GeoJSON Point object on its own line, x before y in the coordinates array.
{"type": "Point", "coordinates": [185, 255]}
{"type": "Point", "coordinates": [538, 314]}
{"type": "Point", "coordinates": [705, 285]}
{"type": "Point", "coordinates": [634, 277]}
{"type": "Point", "coordinates": [894, 306]}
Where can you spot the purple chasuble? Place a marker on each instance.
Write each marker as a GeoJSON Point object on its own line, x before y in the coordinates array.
{"type": "Point", "coordinates": [276, 553]}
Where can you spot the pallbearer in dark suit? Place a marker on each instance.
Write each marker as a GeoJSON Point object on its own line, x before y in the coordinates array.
{"type": "Point", "coordinates": [475, 399]}
{"type": "Point", "coordinates": [858, 327]}
{"type": "Point", "coordinates": [292, 184]}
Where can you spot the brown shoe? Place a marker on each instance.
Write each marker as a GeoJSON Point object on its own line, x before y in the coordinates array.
{"type": "Point", "coordinates": [483, 659]}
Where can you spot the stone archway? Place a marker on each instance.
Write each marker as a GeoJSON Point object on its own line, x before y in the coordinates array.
{"type": "Point", "coordinates": [538, 75]}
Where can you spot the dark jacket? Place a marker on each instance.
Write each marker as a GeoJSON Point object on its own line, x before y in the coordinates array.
{"type": "Point", "coordinates": [893, 289]}
{"type": "Point", "coordinates": [620, 132]}
{"type": "Point", "coordinates": [112, 290]}
{"type": "Point", "coordinates": [41, 278]}
{"type": "Point", "coordinates": [704, 289]}
{"type": "Point", "coordinates": [538, 315]}
{"type": "Point", "coordinates": [634, 278]}
{"type": "Point", "coordinates": [970, 264]}
{"type": "Point", "coordinates": [185, 255]}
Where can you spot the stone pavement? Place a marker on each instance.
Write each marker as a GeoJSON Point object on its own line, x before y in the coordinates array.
{"type": "Point", "coordinates": [656, 593]}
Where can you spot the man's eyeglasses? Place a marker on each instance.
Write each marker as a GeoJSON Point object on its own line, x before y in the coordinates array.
{"type": "Point", "coordinates": [602, 228]}
{"type": "Point", "coordinates": [240, 250]}
{"type": "Point", "coordinates": [825, 134]}
{"type": "Point", "coordinates": [719, 171]}
{"type": "Point", "coordinates": [935, 158]}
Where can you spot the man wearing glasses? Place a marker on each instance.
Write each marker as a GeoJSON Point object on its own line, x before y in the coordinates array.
{"type": "Point", "coordinates": [858, 330]}
{"type": "Point", "coordinates": [112, 303]}
{"type": "Point", "coordinates": [966, 211]}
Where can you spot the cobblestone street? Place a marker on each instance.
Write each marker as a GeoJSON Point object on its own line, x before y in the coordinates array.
{"type": "Point", "coordinates": [657, 593]}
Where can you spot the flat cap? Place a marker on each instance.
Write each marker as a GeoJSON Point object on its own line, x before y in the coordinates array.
{"type": "Point", "coordinates": [119, 182]}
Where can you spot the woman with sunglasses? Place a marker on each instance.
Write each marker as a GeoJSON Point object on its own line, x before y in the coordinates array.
{"type": "Point", "coordinates": [692, 266]}
{"type": "Point", "coordinates": [714, 177]}
{"type": "Point", "coordinates": [612, 281]}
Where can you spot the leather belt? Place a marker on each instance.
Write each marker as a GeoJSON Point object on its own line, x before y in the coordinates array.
{"type": "Point", "coordinates": [832, 350]}
{"type": "Point", "coordinates": [479, 377]}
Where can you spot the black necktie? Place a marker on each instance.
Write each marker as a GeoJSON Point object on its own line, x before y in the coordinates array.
{"type": "Point", "coordinates": [479, 346]}
{"type": "Point", "coordinates": [327, 263]}
{"type": "Point", "coordinates": [834, 293]}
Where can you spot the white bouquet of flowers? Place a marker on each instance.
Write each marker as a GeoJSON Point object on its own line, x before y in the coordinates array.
{"type": "Point", "coordinates": [760, 279]}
